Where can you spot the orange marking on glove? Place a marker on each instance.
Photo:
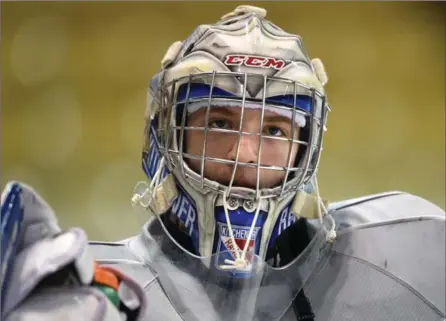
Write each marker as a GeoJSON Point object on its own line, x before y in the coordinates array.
{"type": "Point", "coordinates": [105, 277]}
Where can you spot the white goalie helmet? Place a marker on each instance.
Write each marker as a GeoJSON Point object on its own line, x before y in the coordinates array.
{"type": "Point", "coordinates": [243, 61]}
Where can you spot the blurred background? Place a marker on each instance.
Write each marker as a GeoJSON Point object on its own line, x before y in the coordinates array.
{"type": "Point", "coordinates": [73, 90]}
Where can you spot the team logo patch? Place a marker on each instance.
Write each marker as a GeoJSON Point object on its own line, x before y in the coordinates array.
{"type": "Point", "coordinates": [226, 248]}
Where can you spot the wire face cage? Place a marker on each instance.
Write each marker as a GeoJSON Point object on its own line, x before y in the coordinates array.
{"type": "Point", "coordinates": [240, 134]}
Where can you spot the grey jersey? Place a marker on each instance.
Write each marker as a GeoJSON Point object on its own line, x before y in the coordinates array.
{"type": "Point", "coordinates": [387, 263]}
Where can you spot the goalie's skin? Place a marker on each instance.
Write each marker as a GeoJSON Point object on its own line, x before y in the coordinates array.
{"type": "Point", "coordinates": [224, 145]}
{"type": "Point", "coordinates": [235, 227]}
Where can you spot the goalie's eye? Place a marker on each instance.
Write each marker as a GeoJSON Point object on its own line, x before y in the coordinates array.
{"type": "Point", "coordinates": [220, 124]}
{"type": "Point", "coordinates": [273, 131]}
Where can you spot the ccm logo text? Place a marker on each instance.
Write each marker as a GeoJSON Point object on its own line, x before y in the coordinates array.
{"type": "Point", "coordinates": [254, 61]}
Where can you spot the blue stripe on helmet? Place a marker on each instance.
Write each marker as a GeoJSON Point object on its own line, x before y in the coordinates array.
{"type": "Point", "coordinates": [302, 102]}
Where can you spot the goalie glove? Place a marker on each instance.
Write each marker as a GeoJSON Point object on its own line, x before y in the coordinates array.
{"type": "Point", "coordinates": [49, 275]}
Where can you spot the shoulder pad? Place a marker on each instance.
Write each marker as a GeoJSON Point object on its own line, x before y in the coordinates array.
{"type": "Point", "coordinates": [399, 263]}
{"type": "Point", "coordinates": [381, 207]}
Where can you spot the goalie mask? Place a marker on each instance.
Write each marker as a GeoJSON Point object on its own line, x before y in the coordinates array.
{"type": "Point", "coordinates": [233, 137]}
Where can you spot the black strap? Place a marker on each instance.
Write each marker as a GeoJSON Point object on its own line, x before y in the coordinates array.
{"type": "Point", "coordinates": [287, 247]}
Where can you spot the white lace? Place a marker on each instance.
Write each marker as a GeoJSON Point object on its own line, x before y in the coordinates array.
{"type": "Point", "coordinates": [150, 190]}
{"type": "Point", "coordinates": [240, 263]}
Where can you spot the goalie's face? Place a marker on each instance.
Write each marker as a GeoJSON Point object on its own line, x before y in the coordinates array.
{"type": "Point", "coordinates": [229, 135]}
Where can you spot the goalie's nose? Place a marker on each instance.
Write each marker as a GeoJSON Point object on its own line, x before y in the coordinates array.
{"type": "Point", "coordinates": [247, 152]}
